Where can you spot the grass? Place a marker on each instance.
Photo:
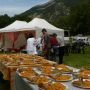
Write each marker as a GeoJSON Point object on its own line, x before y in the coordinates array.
{"type": "Point", "coordinates": [78, 60]}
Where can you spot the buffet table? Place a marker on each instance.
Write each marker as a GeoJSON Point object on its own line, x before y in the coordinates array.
{"type": "Point", "coordinates": [9, 72]}
{"type": "Point", "coordinates": [10, 62]}
{"type": "Point", "coordinates": [35, 69]}
{"type": "Point", "coordinates": [22, 84]}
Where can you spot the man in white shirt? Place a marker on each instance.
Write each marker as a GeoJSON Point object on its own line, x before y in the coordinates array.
{"type": "Point", "coordinates": [31, 45]}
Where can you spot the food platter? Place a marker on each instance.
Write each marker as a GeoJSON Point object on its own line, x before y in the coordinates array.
{"type": "Point", "coordinates": [81, 75]}
{"type": "Point", "coordinates": [62, 78]}
{"type": "Point", "coordinates": [39, 80]}
{"type": "Point", "coordinates": [85, 84]}
{"type": "Point", "coordinates": [54, 86]}
{"type": "Point", "coordinates": [64, 68]}
{"type": "Point", "coordinates": [26, 72]}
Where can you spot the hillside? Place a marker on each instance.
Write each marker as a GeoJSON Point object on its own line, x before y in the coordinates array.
{"type": "Point", "coordinates": [51, 9]}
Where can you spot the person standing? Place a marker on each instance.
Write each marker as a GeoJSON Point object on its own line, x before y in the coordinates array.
{"type": "Point", "coordinates": [45, 41]}
{"type": "Point", "coordinates": [61, 50]}
{"type": "Point", "coordinates": [54, 45]}
{"type": "Point", "coordinates": [61, 54]}
{"type": "Point", "coordinates": [31, 44]}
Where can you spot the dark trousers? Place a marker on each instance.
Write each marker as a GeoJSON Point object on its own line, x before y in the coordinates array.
{"type": "Point", "coordinates": [54, 52]}
{"type": "Point", "coordinates": [4, 84]}
{"type": "Point", "coordinates": [61, 54]}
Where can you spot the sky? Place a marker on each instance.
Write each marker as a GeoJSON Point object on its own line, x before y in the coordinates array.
{"type": "Point", "coordinates": [13, 7]}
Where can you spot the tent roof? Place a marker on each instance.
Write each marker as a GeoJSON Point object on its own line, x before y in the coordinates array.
{"type": "Point", "coordinates": [41, 23]}
{"type": "Point", "coordinates": [15, 25]}
{"type": "Point", "coordinates": [35, 24]}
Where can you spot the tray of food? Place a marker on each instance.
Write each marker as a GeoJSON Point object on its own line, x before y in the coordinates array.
{"type": "Point", "coordinates": [85, 83]}
{"type": "Point", "coordinates": [62, 77]}
{"type": "Point", "coordinates": [48, 70]}
{"type": "Point", "coordinates": [85, 74]}
{"type": "Point", "coordinates": [54, 86]}
{"type": "Point", "coordinates": [64, 68]}
{"type": "Point", "coordinates": [26, 72]}
{"type": "Point", "coordinates": [39, 80]}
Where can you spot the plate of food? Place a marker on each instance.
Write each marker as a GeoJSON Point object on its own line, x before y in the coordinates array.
{"type": "Point", "coordinates": [12, 64]}
{"type": "Point", "coordinates": [85, 83]}
{"type": "Point", "coordinates": [41, 79]}
{"type": "Point", "coordinates": [48, 70]}
{"type": "Point", "coordinates": [54, 86]}
{"type": "Point", "coordinates": [26, 72]}
{"type": "Point", "coordinates": [64, 68]}
{"type": "Point", "coordinates": [83, 74]}
{"type": "Point", "coordinates": [62, 77]}
{"type": "Point", "coordinates": [86, 72]}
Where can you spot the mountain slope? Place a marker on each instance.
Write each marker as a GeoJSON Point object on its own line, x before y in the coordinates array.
{"type": "Point", "coordinates": [51, 9]}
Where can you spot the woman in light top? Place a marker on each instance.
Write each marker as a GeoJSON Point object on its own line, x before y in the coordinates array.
{"type": "Point", "coordinates": [31, 44]}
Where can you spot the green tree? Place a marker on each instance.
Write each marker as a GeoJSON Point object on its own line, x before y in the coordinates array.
{"type": "Point", "coordinates": [21, 17]}
{"type": "Point", "coordinates": [80, 18]}
{"type": "Point", "coordinates": [62, 22]}
{"type": "Point", "coordinates": [4, 20]}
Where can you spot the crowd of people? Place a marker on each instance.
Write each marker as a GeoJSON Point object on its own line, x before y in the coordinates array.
{"type": "Point", "coordinates": [76, 46]}
{"type": "Point", "coordinates": [48, 46]}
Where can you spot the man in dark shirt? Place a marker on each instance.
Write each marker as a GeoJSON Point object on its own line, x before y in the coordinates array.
{"type": "Point", "coordinates": [45, 41]}
{"type": "Point", "coordinates": [54, 45]}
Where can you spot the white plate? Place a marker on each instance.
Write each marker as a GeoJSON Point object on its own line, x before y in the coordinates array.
{"type": "Point", "coordinates": [65, 80]}
{"type": "Point", "coordinates": [81, 86]}
{"type": "Point", "coordinates": [64, 85]}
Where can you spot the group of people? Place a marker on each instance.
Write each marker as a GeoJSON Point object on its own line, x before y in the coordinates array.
{"type": "Point", "coordinates": [76, 46]}
{"type": "Point", "coordinates": [49, 45]}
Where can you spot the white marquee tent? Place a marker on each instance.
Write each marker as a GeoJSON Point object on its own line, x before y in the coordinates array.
{"type": "Point", "coordinates": [7, 37]}
{"type": "Point", "coordinates": [14, 26]}
{"type": "Point", "coordinates": [36, 25]}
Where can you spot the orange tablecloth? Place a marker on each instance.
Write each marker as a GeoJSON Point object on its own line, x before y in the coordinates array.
{"type": "Point", "coordinates": [9, 72]}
